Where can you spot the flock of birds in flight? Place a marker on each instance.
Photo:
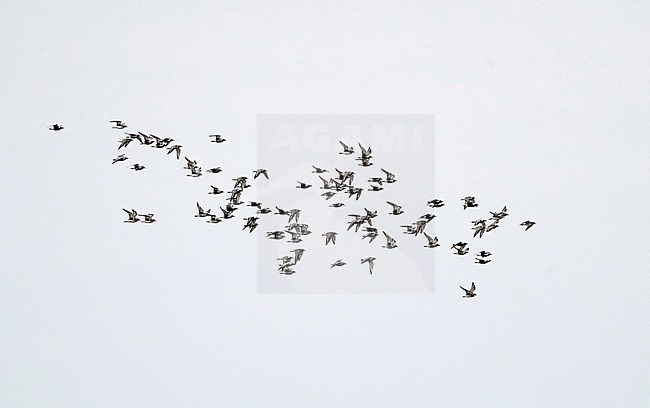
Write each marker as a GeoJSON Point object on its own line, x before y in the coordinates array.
{"type": "Point", "coordinates": [341, 184]}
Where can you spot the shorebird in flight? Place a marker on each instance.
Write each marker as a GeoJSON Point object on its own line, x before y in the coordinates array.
{"type": "Point", "coordinates": [133, 216]}
{"type": "Point", "coordinates": [371, 233]}
{"type": "Point", "coordinates": [527, 224]}
{"type": "Point", "coordinates": [435, 203]}
{"type": "Point", "coordinates": [228, 212]}
{"type": "Point", "coordinates": [56, 127]}
{"type": "Point", "coordinates": [469, 293]}
{"type": "Point", "coordinates": [119, 158]}
{"type": "Point", "coordinates": [484, 254]}
{"type": "Point", "coordinates": [175, 148]}
{"type": "Point", "coordinates": [499, 215]}
{"type": "Point", "coordinates": [338, 263]}
{"type": "Point", "coordinates": [217, 139]}
{"type": "Point", "coordinates": [148, 218]}
{"type": "Point", "coordinates": [214, 219]}
{"type": "Point", "coordinates": [433, 242]}
{"type": "Point", "coordinates": [330, 237]}
{"type": "Point", "coordinates": [390, 177]}
{"type": "Point", "coordinates": [298, 252]}
{"type": "Point", "coordinates": [201, 212]}
{"type": "Point", "coordinates": [347, 150]}
{"type": "Point", "coordinates": [370, 261]}
{"type": "Point", "coordinates": [469, 202]}
{"type": "Point", "coordinates": [259, 172]}
{"type": "Point", "coordinates": [137, 167]}
{"type": "Point", "coordinates": [390, 242]}
{"type": "Point", "coordinates": [117, 124]}
{"type": "Point", "coordinates": [195, 172]}
{"type": "Point", "coordinates": [125, 142]}
{"type": "Point", "coordinates": [397, 209]}
{"type": "Point", "coordinates": [215, 190]}
{"type": "Point", "coordinates": [318, 170]}
{"type": "Point", "coordinates": [214, 170]}
{"type": "Point", "coordinates": [482, 261]}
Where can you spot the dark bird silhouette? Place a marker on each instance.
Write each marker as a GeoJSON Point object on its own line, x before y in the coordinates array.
{"type": "Point", "coordinates": [217, 139]}
{"type": "Point", "coordinates": [137, 167]}
{"type": "Point", "coordinates": [125, 142]}
{"type": "Point", "coordinates": [259, 172]}
{"type": "Point", "coordinates": [370, 261]}
{"type": "Point", "coordinates": [133, 216]}
{"type": "Point", "coordinates": [435, 203]}
{"type": "Point", "coordinates": [201, 212]}
{"type": "Point", "coordinates": [318, 170]}
{"type": "Point", "coordinates": [147, 218]}
{"type": "Point", "coordinates": [215, 190]}
{"type": "Point", "coordinates": [397, 209]}
{"type": "Point", "coordinates": [433, 242]}
{"type": "Point", "coordinates": [175, 148]}
{"type": "Point", "coordinates": [119, 158]}
{"type": "Point", "coordinates": [390, 242]}
{"type": "Point", "coordinates": [303, 185]}
{"type": "Point", "coordinates": [469, 293]}
{"type": "Point", "coordinates": [469, 202]}
{"type": "Point", "coordinates": [214, 170]}
{"type": "Point", "coordinates": [214, 219]}
{"type": "Point", "coordinates": [347, 150]}
{"type": "Point", "coordinates": [337, 205]}
{"type": "Point", "coordinates": [527, 224]}
{"type": "Point", "coordinates": [338, 263]}
{"type": "Point", "coordinates": [390, 177]}
{"type": "Point", "coordinates": [482, 261]}
{"type": "Point", "coordinates": [56, 127]}
{"type": "Point", "coordinates": [330, 237]}
{"type": "Point", "coordinates": [118, 124]}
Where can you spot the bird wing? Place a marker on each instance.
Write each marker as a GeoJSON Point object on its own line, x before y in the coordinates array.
{"type": "Point", "coordinates": [473, 288]}
{"type": "Point", "coordinates": [345, 147]}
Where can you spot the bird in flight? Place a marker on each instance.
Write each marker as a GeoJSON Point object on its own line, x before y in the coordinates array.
{"type": "Point", "coordinates": [433, 242]}
{"type": "Point", "coordinates": [215, 190]}
{"type": "Point", "coordinates": [318, 170]}
{"type": "Point", "coordinates": [217, 139]}
{"type": "Point", "coordinates": [56, 127]}
{"type": "Point", "coordinates": [469, 202]}
{"type": "Point", "coordinates": [119, 158]}
{"type": "Point", "coordinates": [390, 242]}
{"type": "Point", "coordinates": [303, 185]}
{"type": "Point", "coordinates": [435, 203]}
{"type": "Point", "coordinates": [137, 167]}
{"type": "Point", "coordinates": [259, 172]}
{"type": "Point", "coordinates": [214, 219]}
{"type": "Point", "coordinates": [469, 293]}
{"type": "Point", "coordinates": [148, 218]}
{"type": "Point", "coordinates": [338, 263]}
{"type": "Point", "coordinates": [201, 212]}
{"type": "Point", "coordinates": [370, 261]}
{"type": "Point", "coordinates": [397, 209]}
{"type": "Point", "coordinates": [390, 177]}
{"type": "Point", "coordinates": [482, 261]}
{"type": "Point", "coordinates": [133, 216]}
{"type": "Point", "coordinates": [527, 224]}
{"type": "Point", "coordinates": [175, 148]}
{"type": "Point", "coordinates": [347, 150]}
{"type": "Point", "coordinates": [118, 124]}
{"type": "Point", "coordinates": [330, 237]}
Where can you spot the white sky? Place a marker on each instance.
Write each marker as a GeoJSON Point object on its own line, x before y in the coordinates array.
{"type": "Point", "coordinates": [540, 107]}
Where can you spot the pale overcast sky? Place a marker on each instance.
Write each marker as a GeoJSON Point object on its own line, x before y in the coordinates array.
{"type": "Point", "coordinates": [542, 107]}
